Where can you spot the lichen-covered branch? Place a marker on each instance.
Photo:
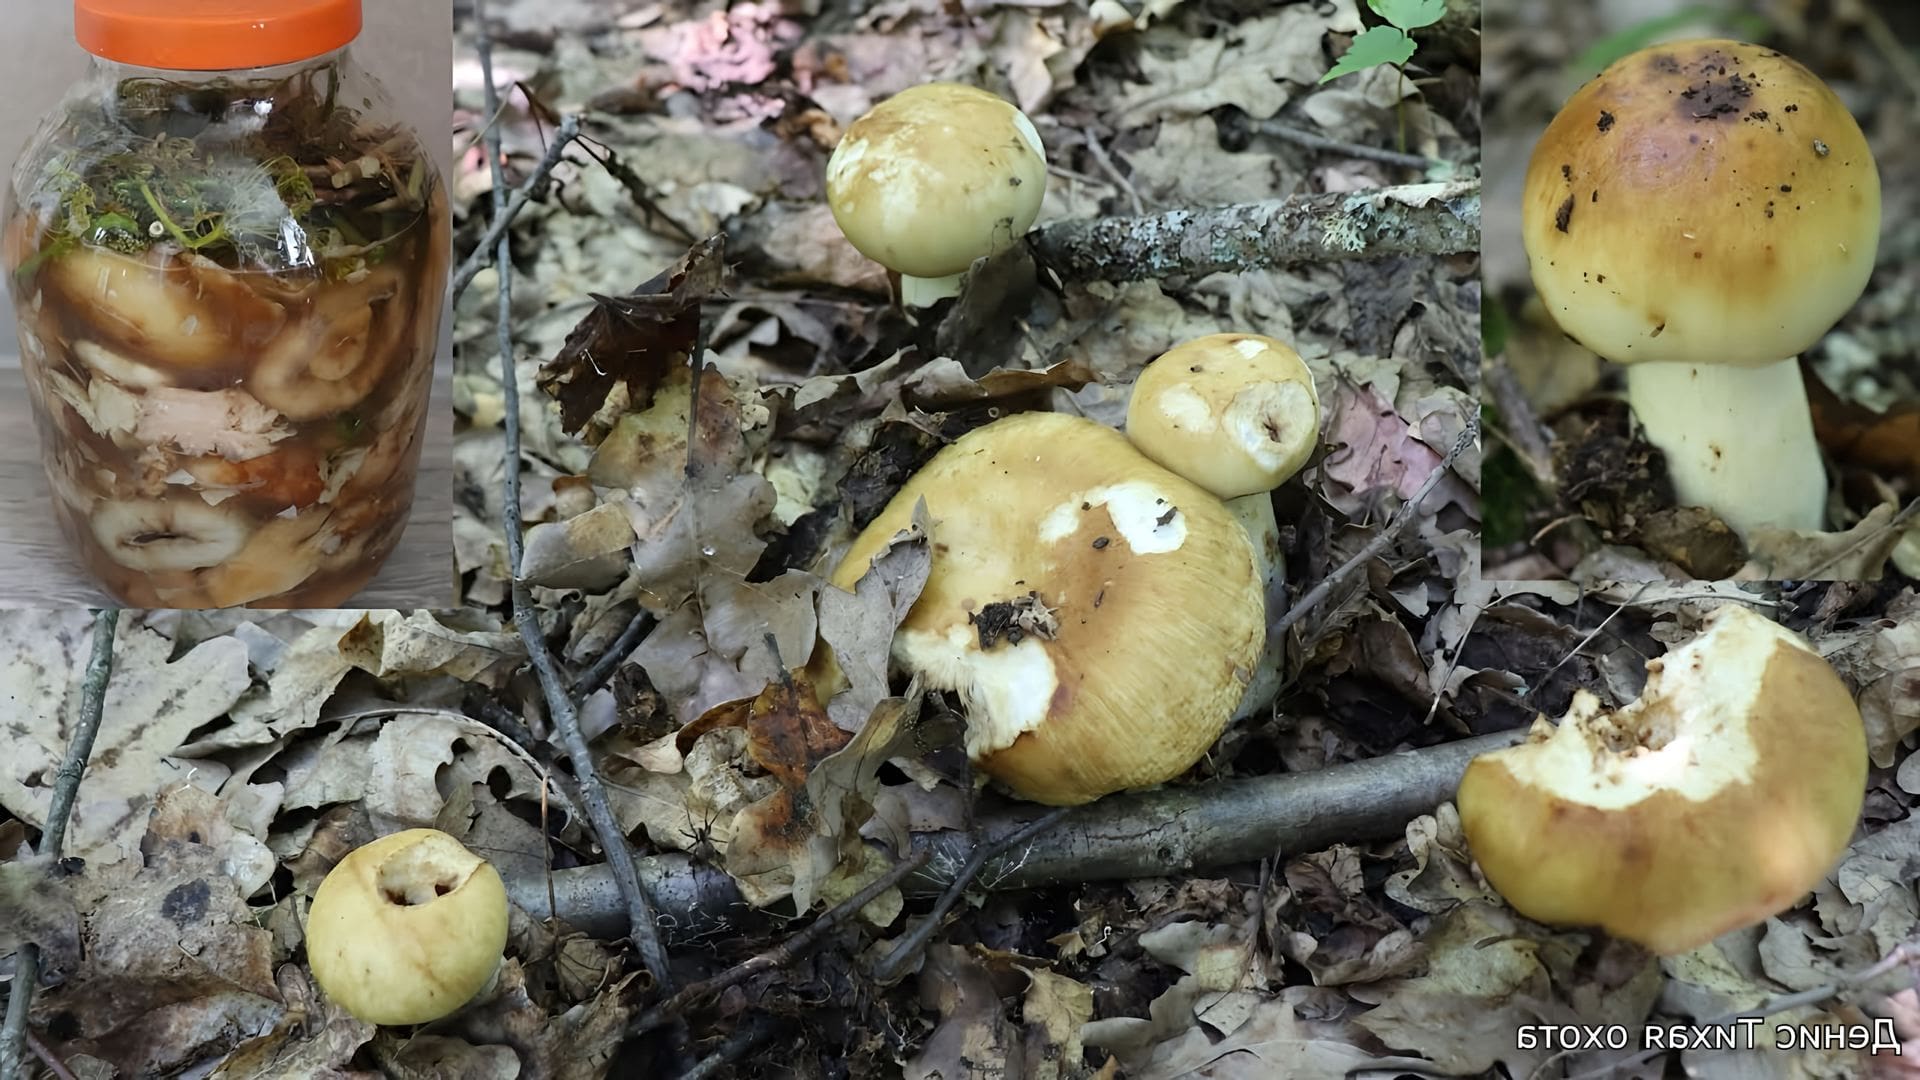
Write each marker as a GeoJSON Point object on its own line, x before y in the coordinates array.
{"type": "Point", "coordinates": [1149, 834]}
{"type": "Point", "coordinates": [1415, 219]}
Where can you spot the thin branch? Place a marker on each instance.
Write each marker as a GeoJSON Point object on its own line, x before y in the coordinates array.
{"type": "Point", "coordinates": [1102, 159]}
{"type": "Point", "coordinates": [893, 966]}
{"type": "Point", "coordinates": [1905, 954]}
{"type": "Point", "coordinates": [758, 1028]}
{"type": "Point", "coordinates": [594, 677]}
{"type": "Point", "coordinates": [503, 216]}
{"type": "Point", "coordinates": [780, 955]}
{"type": "Point", "coordinates": [1118, 838]}
{"type": "Point", "coordinates": [47, 1057]}
{"type": "Point", "coordinates": [1897, 522]}
{"type": "Point", "coordinates": [1315, 141]}
{"type": "Point", "coordinates": [1417, 219]}
{"type": "Point", "coordinates": [1409, 511]}
{"type": "Point", "coordinates": [642, 926]}
{"type": "Point", "coordinates": [66, 788]}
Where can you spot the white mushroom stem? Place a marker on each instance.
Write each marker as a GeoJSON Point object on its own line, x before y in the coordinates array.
{"type": "Point", "coordinates": [1738, 440]}
{"type": "Point", "coordinates": [1255, 514]}
{"type": "Point", "coordinates": [926, 292]}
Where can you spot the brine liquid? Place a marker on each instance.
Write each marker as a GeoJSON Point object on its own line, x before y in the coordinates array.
{"type": "Point", "coordinates": [217, 437]}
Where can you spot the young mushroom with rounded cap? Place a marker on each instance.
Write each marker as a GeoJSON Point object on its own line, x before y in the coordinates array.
{"type": "Point", "coordinates": [1098, 616]}
{"type": "Point", "coordinates": [1704, 211]}
{"type": "Point", "coordinates": [407, 929]}
{"type": "Point", "coordinates": [933, 178]}
{"type": "Point", "coordinates": [1239, 415]}
{"type": "Point", "coordinates": [1716, 800]}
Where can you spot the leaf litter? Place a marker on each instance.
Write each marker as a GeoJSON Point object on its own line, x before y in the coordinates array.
{"type": "Point", "coordinates": [240, 759]}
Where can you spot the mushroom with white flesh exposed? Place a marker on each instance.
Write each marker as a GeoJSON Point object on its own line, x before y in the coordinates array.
{"type": "Point", "coordinates": [933, 178]}
{"type": "Point", "coordinates": [1704, 211]}
{"type": "Point", "coordinates": [408, 928]}
{"type": "Point", "coordinates": [1098, 615]}
{"type": "Point", "coordinates": [1718, 799]}
{"type": "Point", "coordinates": [1239, 415]}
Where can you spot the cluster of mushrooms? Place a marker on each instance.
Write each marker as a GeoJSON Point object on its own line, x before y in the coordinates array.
{"type": "Point", "coordinates": [1098, 602]}
{"type": "Point", "coordinates": [216, 437]}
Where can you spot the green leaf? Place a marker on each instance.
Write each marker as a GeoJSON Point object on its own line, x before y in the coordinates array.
{"type": "Point", "coordinates": [1600, 54]}
{"type": "Point", "coordinates": [1380, 45]}
{"type": "Point", "coordinates": [1409, 14]}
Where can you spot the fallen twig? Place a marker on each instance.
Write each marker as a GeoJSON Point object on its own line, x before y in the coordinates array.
{"type": "Point", "coordinates": [780, 955]}
{"type": "Point", "coordinates": [66, 788]}
{"type": "Point", "coordinates": [503, 216]}
{"type": "Point", "coordinates": [1144, 834]}
{"type": "Point", "coordinates": [602, 669]}
{"type": "Point", "coordinates": [890, 969]}
{"type": "Point", "coordinates": [1314, 141]}
{"type": "Point", "coordinates": [1402, 518]}
{"type": "Point", "coordinates": [1417, 219]}
{"type": "Point", "coordinates": [757, 1028]}
{"type": "Point", "coordinates": [642, 926]}
{"type": "Point", "coordinates": [48, 1058]}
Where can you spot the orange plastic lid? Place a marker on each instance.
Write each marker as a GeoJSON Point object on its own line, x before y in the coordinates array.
{"type": "Point", "coordinates": [213, 35]}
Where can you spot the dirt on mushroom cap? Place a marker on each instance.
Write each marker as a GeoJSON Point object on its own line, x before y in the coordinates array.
{"type": "Point", "coordinates": [1717, 799]}
{"type": "Point", "coordinates": [1154, 632]}
{"type": "Point", "coordinates": [1701, 201]}
{"type": "Point", "coordinates": [935, 177]}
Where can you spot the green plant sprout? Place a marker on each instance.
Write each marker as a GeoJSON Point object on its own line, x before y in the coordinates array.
{"type": "Point", "coordinates": [1621, 43]}
{"type": "Point", "coordinates": [1391, 44]}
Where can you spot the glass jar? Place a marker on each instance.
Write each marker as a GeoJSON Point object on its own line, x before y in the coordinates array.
{"type": "Point", "coordinates": [228, 257]}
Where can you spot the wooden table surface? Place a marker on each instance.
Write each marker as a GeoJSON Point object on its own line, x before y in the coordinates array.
{"type": "Point", "coordinates": [37, 570]}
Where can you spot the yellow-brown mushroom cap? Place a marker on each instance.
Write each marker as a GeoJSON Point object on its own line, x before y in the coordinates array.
{"type": "Point", "coordinates": [1144, 580]}
{"type": "Point", "coordinates": [1718, 799]}
{"type": "Point", "coordinates": [1235, 413]}
{"type": "Point", "coordinates": [408, 928]}
{"type": "Point", "coordinates": [1701, 202]}
{"type": "Point", "coordinates": [935, 177]}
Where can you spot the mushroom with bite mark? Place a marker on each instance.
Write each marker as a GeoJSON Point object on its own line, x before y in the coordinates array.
{"type": "Point", "coordinates": [1716, 800]}
{"type": "Point", "coordinates": [933, 178]}
{"type": "Point", "coordinates": [1704, 211]}
{"type": "Point", "coordinates": [407, 929]}
{"type": "Point", "coordinates": [1098, 615]}
{"type": "Point", "coordinates": [1239, 415]}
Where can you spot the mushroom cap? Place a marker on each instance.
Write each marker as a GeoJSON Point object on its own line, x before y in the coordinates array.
{"type": "Point", "coordinates": [935, 177]}
{"type": "Point", "coordinates": [1157, 615]}
{"type": "Point", "coordinates": [1237, 414]}
{"type": "Point", "coordinates": [1719, 798]}
{"type": "Point", "coordinates": [407, 929]}
{"type": "Point", "coordinates": [1701, 202]}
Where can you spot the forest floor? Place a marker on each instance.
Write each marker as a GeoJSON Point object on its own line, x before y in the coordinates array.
{"type": "Point", "coordinates": [1300, 903]}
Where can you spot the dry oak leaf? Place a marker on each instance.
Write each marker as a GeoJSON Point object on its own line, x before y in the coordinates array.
{"type": "Point", "coordinates": [151, 707]}
{"type": "Point", "coordinates": [634, 340]}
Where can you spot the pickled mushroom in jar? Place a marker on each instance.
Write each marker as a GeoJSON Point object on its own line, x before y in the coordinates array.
{"type": "Point", "coordinates": [229, 292]}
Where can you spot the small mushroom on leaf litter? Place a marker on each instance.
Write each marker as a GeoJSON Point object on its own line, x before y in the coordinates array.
{"type": "Point", "coordinates": [1239, 415]}
{"type": "Point", "coordinates": [408, 928]}
{"type": "Point", "coordinates": [1084, 668]}
{"type": "Point", "coordinates": [1716, 800]}
{"type": "Point", "coordinates": [933, 178]}
{"type": "Point", "coordinates": [1703, 211]}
